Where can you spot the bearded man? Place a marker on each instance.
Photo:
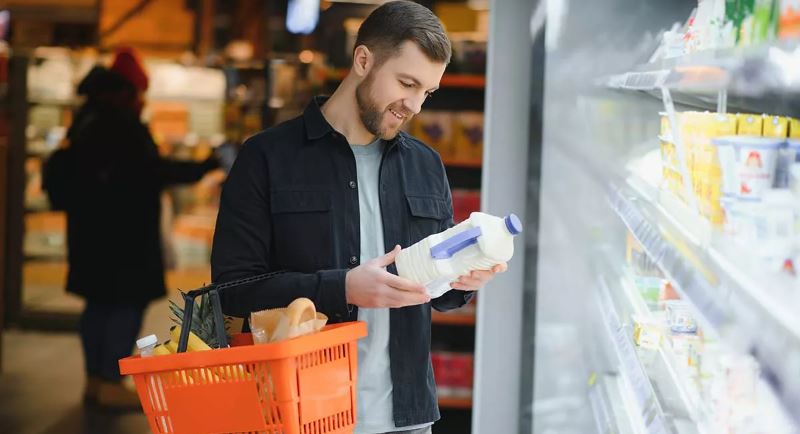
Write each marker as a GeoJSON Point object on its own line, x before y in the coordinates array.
{"type": "Point", "coordinates": [319, 199]}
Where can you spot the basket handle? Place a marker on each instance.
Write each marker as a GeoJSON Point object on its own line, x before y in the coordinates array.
{"type": "Point", "coordinates": [216, 307]}
{"type": "Point", "coordinates": [219, 321]}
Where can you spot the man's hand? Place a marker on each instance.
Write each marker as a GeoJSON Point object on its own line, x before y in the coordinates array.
{"type": "Point", "coordinates": [477, 279]}
{"type": "Point", "coordinates": [370, 285]}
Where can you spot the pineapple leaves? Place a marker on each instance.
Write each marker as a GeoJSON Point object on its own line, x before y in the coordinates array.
{"type": "Point", "coordinates": [202, 320]}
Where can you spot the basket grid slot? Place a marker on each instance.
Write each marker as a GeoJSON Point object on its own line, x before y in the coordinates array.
{"type": "Point", "coordinates": [155, 391]}
{"type": "Point", "coordinates": [323, 356]}
{"type": "Point", "coordinates": [333, 422]}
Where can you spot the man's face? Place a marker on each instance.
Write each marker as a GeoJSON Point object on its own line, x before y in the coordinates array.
{"type": "Point", "coordinates": [394, 92]}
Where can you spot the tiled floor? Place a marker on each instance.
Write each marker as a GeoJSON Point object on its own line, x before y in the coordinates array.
{"type": "Point", "coordinates": [42, 381]}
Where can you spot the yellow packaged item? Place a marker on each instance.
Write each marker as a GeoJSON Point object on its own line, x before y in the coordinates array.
{"type": "Point", "coordinates": [669, 155]}
{"type": "Point", "coordinates": [749, 124]}
{"type": "Point", "coordinates": [647, 332]}
{"type": "Point", "coordinates": [706, 180]}
{"type": "Point", "coordinates": [666, 129]}
{"type": "Point", "coordinates": [794, 128]}
{"type": "Point", "coordinates": [435, 129]}
{"type": "Point", "coordinates": [775, 126]}
{"type": "Point", "coordinates": [688, 125]}
{"type": "Point", "coordinates": [468, 135]}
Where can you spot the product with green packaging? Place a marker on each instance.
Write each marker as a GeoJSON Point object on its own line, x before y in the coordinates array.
{"type": "Point", "coordinates": [733, 15]}
{"type": "Point", "coordinates": [745, 10]}
{"type": "Point", "coordinates": [765, 21]}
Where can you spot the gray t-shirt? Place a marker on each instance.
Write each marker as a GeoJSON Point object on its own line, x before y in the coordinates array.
{"type": "Point", "coordinates": [374, 388]}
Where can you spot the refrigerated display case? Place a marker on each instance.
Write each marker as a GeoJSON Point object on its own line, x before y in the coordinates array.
{"type": "Point", "coordinates": [659, 292]}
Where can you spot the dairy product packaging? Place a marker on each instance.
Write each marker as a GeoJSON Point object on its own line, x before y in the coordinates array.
{"type": "Point", "coordinates": [478, 243]}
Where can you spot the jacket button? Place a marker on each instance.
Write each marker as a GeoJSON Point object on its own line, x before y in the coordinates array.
{"type": "Point", "coordinates": [352, 184]}
{"type": "Point", "coordinates": [353, 260]}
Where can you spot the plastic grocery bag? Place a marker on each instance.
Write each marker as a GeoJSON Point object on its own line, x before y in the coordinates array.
{"type": "Point", "coordinates": [298, 319]}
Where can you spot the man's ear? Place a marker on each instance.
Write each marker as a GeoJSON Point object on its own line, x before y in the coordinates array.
{"type": "Point", "coordinates": [363, 59]}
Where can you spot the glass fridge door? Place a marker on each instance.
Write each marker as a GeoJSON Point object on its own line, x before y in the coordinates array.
{"type": "Point", "coordinates": [646, 312]}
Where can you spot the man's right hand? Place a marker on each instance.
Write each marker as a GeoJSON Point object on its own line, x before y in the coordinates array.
{"type": "Point", "coordinates": [370, 285]}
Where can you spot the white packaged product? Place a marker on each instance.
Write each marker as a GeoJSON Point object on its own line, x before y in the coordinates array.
{"type": "Point", "coordinates": [478, 243]}
{"type": "Point", "coordinates": [787, 156]}
{"type": "Point", "coordinates": [765, 227]}
{"type": "Point", "coordinates": [748, 165]}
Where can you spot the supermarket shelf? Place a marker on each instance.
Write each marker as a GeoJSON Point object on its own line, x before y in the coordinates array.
{"type": "Point", "coordinates": [677, 395]}
{"type": "Point", "coordinates": [464, 80]}
{"type": "Point", "coordinates": [468, 163]}
{"type": "Point", "coordinates": [45, 257]}
{"type": "Point", "coordinates": [54, 102]}
{"type": "Point", "coordinates": [472, 81]}
{"type": "Point", "coordinates": [457, 403]}
{"type": "Point", "coordinates": [605, 397]}
{"type": "Point", "coordinates": [453, 319]}
{"type": "Point", "coordinates": [730, 292]}
{"type": "Point", "coordinates": [743, 71]}
{"type": "Point", "coordinates": [639, 397]}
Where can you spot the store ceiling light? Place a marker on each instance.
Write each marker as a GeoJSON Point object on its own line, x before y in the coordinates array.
{"type": "Point", "coordinates": [302, 16]}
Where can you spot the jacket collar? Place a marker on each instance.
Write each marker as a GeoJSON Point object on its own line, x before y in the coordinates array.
{"type": "Point", "coordinates": [317, 126]}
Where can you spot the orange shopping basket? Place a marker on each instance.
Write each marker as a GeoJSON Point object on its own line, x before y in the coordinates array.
{"type": "Point", "coordinates": [305, 385]}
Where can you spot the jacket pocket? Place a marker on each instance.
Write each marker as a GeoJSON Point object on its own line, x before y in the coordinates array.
{"type": "Point", "coordinates": [302, 229]}
{"type": "Point", "coordinates": [427, 214]}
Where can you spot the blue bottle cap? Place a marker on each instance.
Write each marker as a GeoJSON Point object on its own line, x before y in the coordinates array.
{"type": "Point", "coordinates": [513, 224]}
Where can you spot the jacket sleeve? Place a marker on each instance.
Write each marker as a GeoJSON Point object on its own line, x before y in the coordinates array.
{"type": "Point", "coordinates": [242, 249]}
{"type": "Point", "coordinates": [454, 298]}
{"type": "Point", "coordinates": [183, 172]}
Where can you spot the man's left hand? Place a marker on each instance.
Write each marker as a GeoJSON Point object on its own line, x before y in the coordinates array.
{"type": "Point", "coordinates": [477, 279]}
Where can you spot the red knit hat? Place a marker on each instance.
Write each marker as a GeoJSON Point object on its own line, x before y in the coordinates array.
{"type": "Point", "coordinates": [127, 64]}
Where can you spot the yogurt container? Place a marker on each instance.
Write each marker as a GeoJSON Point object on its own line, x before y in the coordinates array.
{"type": "Point", "coordinates": [680, 317]}
{"type": "Point", "coordinates": [787, 155]}
{"type": "Point", "coordinates": [766, 227]}
{"type": "Point", "coordinates": [748, 165]}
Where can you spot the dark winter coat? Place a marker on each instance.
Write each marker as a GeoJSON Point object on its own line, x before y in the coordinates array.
{"type": "Point", "coordinates": [111, 178]}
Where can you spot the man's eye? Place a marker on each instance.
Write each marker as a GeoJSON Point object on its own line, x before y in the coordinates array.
{"type": "Point", "coordinates": [407, 85]}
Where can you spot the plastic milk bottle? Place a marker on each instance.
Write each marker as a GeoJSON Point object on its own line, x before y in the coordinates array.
{"type": "Point", "coordinates": [478, 243]}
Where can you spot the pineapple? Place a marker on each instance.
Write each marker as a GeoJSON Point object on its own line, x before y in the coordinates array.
{"type": "Point", "coordinates": [202, 320]}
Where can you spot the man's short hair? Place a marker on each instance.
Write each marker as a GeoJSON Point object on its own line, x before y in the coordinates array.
{"type": "Point", "coordinates": [395, 22]}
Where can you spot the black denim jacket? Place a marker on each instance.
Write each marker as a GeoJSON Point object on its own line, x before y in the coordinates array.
{"type": "Point", "coordinates": [290, 204]}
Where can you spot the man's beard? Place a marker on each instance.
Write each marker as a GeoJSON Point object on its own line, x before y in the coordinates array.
{"type": "Point", "coordinates": [371, 116]}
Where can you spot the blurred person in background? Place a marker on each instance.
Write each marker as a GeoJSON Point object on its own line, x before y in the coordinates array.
{"type": "Point", "coordinates": [109, 180]}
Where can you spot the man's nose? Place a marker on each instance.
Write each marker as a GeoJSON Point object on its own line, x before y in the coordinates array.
{"type": "Point", "coordinates": [414, 104]}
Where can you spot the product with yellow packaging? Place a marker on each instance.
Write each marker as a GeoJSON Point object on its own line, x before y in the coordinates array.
{"type": "Point", "coordinates": [749, 124]}
{"type": "Point", "coordinates": [468, 133]}
{"type": "Point", "coordinates": [775, 126]}
{"type": "Point", "coordinates": [697, 131]}
{"type": "Point", "coordinates": [647, 332]}
{"type": "Point", "coordinates": [435, 129]}
{"type": "Point", "coordinates": [794, 128]}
